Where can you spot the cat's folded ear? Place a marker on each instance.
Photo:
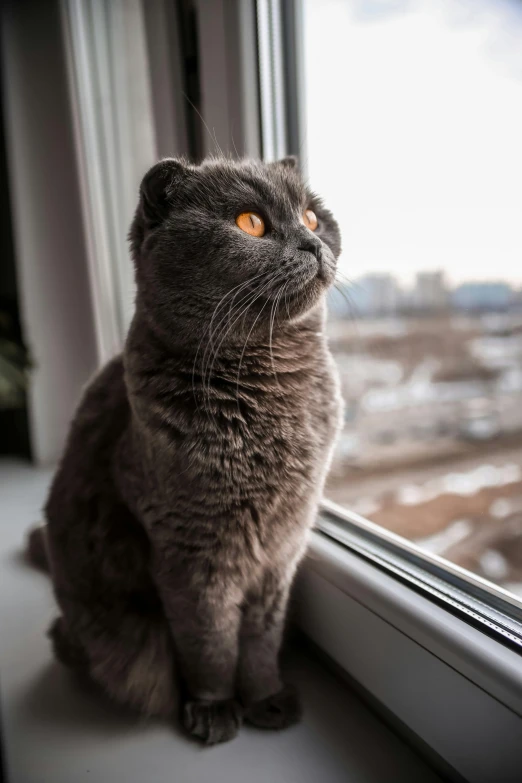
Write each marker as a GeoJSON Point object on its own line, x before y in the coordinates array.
{"type": "Point", "coordinates": [290, 162]}
{"type": "Point", "coordinates": [158, 187]}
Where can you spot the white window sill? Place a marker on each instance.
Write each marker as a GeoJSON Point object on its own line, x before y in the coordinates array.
{"type": "Point", "coordinates": [457, 690]}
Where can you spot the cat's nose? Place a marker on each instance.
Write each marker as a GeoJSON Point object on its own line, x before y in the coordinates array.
{"type": "Point", "coordinates": [311, 246]}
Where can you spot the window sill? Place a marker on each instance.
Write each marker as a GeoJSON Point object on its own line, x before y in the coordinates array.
{"type": "Point", "coordinates": [457, 690]}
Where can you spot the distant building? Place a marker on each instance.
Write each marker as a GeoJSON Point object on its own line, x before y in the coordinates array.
{"type": "Point", "coordinates": [431, 292]}
{"type": "Point", "coordinates": [517, 299]}
{"type": "Point", "coordinates": [376, 295]}
{"type": "Point", "coordinates": [341, 303]}
{"type": "Point", "coordinates": [483, 297]}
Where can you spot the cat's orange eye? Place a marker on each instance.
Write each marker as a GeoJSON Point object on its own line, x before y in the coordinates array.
{"type": "Point", "coordinates": [251, 223]}
{"type": "Point", "coordinates": [310, 219]}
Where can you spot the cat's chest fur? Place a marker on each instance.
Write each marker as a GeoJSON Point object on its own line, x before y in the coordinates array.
{"type": "Point", "coordinates": [242, 455]}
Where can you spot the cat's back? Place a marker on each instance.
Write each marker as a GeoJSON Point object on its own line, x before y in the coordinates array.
{"type": "Point", "coordinates": [104, 406]}
{"type": "Point", "coordinates": [100, 419]}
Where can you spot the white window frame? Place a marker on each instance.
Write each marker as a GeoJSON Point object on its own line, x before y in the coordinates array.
{"type": "Point", "coordinates": [457, 691]}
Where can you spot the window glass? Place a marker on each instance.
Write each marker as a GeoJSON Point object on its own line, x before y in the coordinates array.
{"type": "Point", "coordinates": [413, 136]}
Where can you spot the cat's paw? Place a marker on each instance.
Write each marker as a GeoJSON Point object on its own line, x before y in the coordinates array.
{"type": "Point", "coordinates": [278, 711]}
{"type": "Point", "coordinates": [212, 721]}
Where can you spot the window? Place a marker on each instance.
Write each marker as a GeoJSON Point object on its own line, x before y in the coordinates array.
{"type": "Point", "coordinates": [413, 127]}
{"type": "Point", "coordinates": [406, 117]}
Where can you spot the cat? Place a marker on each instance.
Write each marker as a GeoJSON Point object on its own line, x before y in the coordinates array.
{"type": "Point", "coordinates": [196, 459]}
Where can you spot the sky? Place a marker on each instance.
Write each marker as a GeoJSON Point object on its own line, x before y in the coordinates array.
{"type": "Point", "coordinates": [414, 133]}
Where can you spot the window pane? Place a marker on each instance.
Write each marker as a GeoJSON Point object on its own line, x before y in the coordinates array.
{"type": "Point", "coordinates": [414, 128]}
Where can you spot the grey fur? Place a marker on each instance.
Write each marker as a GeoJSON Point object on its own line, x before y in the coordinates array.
{"type": "Point", "coordinates": [195, 461]}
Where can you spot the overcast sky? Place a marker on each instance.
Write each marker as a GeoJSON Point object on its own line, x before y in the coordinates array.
{"type": "Point", "coordinates": [414, 133]}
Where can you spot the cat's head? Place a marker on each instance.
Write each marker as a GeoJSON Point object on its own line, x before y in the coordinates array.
{"type": "Point", "coordinates": [233, 240]}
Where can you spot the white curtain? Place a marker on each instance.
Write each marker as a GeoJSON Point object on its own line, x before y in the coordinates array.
{"type": "Point", "coordinates": [110, 90]}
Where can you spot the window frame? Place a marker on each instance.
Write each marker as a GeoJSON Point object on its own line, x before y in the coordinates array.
{"type": "Point", "coordinates": [492, 609]}
{"type": "Point", "coordinates": [452, 691]}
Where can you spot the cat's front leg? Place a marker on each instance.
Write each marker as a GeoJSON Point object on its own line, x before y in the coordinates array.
{"type": "Point", "coordinates": [204, 624]}
{"type": "Point", "coordinates": [268, 702]}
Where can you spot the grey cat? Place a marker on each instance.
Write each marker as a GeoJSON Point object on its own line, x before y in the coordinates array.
{"type": "Point", "coordinates": [196, 459]}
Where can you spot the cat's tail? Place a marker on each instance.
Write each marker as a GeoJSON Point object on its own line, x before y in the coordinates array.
{"type": "Point", "coordinates": [36, 548]}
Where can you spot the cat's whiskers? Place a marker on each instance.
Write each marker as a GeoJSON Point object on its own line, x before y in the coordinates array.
{"type": "Point", "coordinates": [208, 330]}
{"type": "Point", "coordinates": [283, 288]}
{"type": "Point", "coordinates": [223, 318]}
{"type": "Point", "coordinates": [243, 353]}
{"type": "Point", "coordinates": [344, 294]}
{"type": "Point", "coordinates": [270, 347]}
{"type": "Point", "coordinates": [205, 332]}
{"type": "Point", "coordinates": [205, 125]}
{"type": "Point", "coordinates": [226, 330]}
{"type": "Point", "coordinates": [340, 287]}
{"type": "Point", "coordinates": [343, 278]}
{"type": "Point", "coordinates": [221, 333]}
{"type": "Point", "coordinates": [286, 300]}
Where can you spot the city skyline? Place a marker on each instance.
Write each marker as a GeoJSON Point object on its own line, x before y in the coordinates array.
{"type": "Point", "coordinates": [439, 271]}
{"type": "Point", "coordinates": [381, 293]}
